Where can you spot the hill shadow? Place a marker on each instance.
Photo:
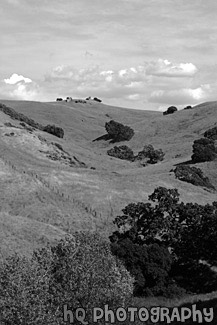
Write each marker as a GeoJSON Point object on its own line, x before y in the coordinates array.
{"type": "Point", "coordinates": [188, 162]}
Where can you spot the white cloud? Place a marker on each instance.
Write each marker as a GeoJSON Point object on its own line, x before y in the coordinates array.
{"type": "Point", "coordinates": [19, 87]}
{"type": "Point", "coordinates": [134, 97]}
{"type": "Point", "coordinates": [165, 68]}
{"type": "Point", "coordinates": [181, 96]}
{"type": "Point", "coordinates": [15, 78]}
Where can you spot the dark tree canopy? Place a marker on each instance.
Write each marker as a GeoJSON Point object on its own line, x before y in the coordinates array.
{"type": "Point", "coordinates": [188, 232]}
{"type": "Point", "coordinates": [211, 133]}
{"type": "Point", "coordinates": [203, 150]}
{"type": "Point", "coordinates": [170, 110]}
{"type": "Point", "coordinates": [118, 132]}
{"type": "Point", "coordinates": [192, 175]}
{"type": "Point", "coordinates": [55, 130]}
{"type": "Point", "coordinates": [149, 152]}
{"type": "Point", "coordinates": [121, 152]}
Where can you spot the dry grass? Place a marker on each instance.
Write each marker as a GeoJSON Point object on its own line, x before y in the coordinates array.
{"type": "Point", "coordinates": [71, 198]}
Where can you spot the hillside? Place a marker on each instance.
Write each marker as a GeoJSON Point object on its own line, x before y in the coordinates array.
{"type": "Point", "coordinates": [50, 185]}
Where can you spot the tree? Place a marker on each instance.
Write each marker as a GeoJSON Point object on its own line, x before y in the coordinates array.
{"type": "Point", "coordinates": [170, 110]}
{"type": "Point", "coordinates": [203, 150]}
{"type": "Point", "coordinates": [55, 130]}
{"type": "Point", "coordinates": [192, 175]}
{"type": "Point", "coordinates": [211, 133]}
{"type": "Point", "coordinates": [118, 132]}
{"type": "Point", "coordinates": [188, 232]}
{"type": "Point", "coordinates": [188, 107]}
{"type": "Point", "coordinates": [97, 99]}
{"type": "Point", "coordinates": [121, 152]}
{"type": "Point", "coordinates": [149, 152]}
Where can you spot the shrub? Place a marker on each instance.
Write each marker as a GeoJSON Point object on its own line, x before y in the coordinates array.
{"type": "Point", "coordinates": [59, 146]}
{"type": "Point", "coordinates": [211, 133]}
{"type": "Point", "coordinates": [153, 156]}
{"type": "Point", "coordinates": [55, 130]}
{"type": "Point", "coordinates": [59, 99]}
{"type": "Point", "coordinates": [97, 99]}
{"type": "Point", "coordinates": [170, 110]}
{"type": "Point", "coordinates": [118, 132]}
{"type": "Point", "coordinates": [203, 150]}
{"type": "Point", "coordinates": [192, 175]}
{"type": "Point", "coordinates": [121, 152]}
{"type": "Point", "coordinates": [188, 107]}
{"type": "Point", "coordinates": [80, 271]}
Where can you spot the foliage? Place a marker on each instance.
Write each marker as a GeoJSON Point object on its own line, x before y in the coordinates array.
{"type": "Point", "coordinates": [203, 150]}
{"type": "Point", "coordinates": [121, 152]}
{"type": "Point", "coordinates": [211, 133]}
{"type": "Point", "coordinates": [188, 107]}
{"type": "Point", "coordinates": [97, 99]}
{"type": "Point", "coordinates": [170, 110]}
{"type": "Point", "coordinates": [55, 130]}
{"type": "Point", "coordinates": [149, 265]}
{"type": "Point", "coordinates": [118, 132]}
{"type": "Point", "coordinates": [59, 99]}
{"type": "Point", "coordinates": [188, 232]}
{"type": "Point", "coordinates": [192, 175]}
{"type": "Point", "coordinates": [149, 152]}
{"type": "Point", "coordinates": [79, 271]}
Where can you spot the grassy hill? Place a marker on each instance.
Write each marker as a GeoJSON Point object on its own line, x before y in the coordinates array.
{"type": "Point", "coordinates": [45, 191]}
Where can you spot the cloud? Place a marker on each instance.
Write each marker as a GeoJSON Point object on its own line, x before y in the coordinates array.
{"type": "Point", "coordinates": [181, 96]}
{"type": "Point", "coordinates": [116, 83]}
{"type": "Point", "coordinates": [19, 87]}
{"type": "Point", "coordinates": [15, 78]}
{"type": "Point", "coordinates": [165, 68]}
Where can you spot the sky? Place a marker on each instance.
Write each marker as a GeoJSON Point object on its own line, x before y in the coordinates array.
{"type": "Point", "coordinates": [142, 54]}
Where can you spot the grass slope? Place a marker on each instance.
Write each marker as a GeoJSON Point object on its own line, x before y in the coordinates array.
{"type": "Point", "coordinates": [49, 196]}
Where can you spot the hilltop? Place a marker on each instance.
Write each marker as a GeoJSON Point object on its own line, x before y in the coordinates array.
{"type": "Point", "coordinates": [51, 184]}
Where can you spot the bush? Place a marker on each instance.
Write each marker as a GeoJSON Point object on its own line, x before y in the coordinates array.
{"type": "Point", "coordinates": [192, 175]}
{"type": "Point", "coordinates": [170, 110]}
{"type": "Point", "coordinates": [153, 156]}
{"type": "Point", "coordinates": [59, 99]}
{"type": "Point", "coordinates": [211, 133]}
{"type": "Point", "coordinates": [55, 130]}
{"type": "Point", "coordinates": [188, 107]}
{"type": "Point", "coordinates": [97, 99]}
{"type": "Point", "coordinates": [121, 152]}
{"type": "Point", "coordinates": [118, 132]}
{"type": "Point", "coordinates": [79, 271]}
{"type": "Point", "coordinates": [203, 150]}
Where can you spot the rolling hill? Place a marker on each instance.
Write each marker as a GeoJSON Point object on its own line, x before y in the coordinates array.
{"type": "Point", "coordinates": [50, 185]}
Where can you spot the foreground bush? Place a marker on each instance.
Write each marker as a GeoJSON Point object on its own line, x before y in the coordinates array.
{"type": "Point", "coordinates": [192, 175]}
{"type": "Point", "coordinates": [79, 271]}
{"type": "Point", "coordinates": [203, 150]}
{"type": "Point", "coordinates": [118, 132]}
{"type": "Point", "coordinates": [151, 155]}
{"type": "Point", "coordinates": [121, 152]}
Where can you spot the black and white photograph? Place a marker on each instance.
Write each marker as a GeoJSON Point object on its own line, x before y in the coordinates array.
{"type": "Point", "coordinates": [108, 162]}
